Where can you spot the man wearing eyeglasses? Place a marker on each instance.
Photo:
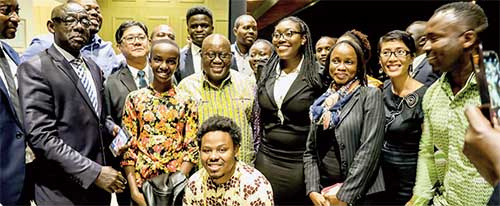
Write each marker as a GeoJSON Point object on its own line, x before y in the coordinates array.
{"type": "Point", "coordinates": [12, 140]}
{"type": "Point", "coordinates": [61, 95]}
{"type": "Point", "coordinates": [223, 91]}
{"type": "Point", "coordinates": [96, 48]}
{"type": "Point", "coordinates": [422, 70]}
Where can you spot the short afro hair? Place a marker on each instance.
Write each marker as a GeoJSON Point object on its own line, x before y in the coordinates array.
{"type": "Point", "coordinates": [220, 123]}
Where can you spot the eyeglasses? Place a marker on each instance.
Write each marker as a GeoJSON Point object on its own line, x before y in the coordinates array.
{"type": "Point", "coordinates": [288, 34]}
{"type": "Point", "coordinates": [131, 39]}
{"type": "Point", "coordinates": [72, 21]}
{"type": "Point", "coordinates": [398, 53]}
{"type": "Point", "coordinates": [9, 10]}
{"type": "Point", "coordinates": [222, 55]}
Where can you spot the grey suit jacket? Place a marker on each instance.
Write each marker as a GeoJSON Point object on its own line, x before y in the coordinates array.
{"type": "Point", "coordinates": [117, 87]}
{"type": "Point", "coordinates": [66, 133]}
{"type": "Point", "coordinates": [186, 66]}
{"type": "Point", "coordinates": [424, 73]}
{"type": "Point", "coordinates": [360, 135]}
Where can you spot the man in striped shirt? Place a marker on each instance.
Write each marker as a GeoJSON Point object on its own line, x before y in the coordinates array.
{"type": "Point", "coordinates": [221, 91]}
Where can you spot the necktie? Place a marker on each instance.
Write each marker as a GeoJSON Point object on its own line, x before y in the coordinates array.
{"type": "Point", "coordinates": [10, 84]}
{"type": "Point", "coordinates": [142, 80]}
{"type": "Point", "coordinates": [86, 82]}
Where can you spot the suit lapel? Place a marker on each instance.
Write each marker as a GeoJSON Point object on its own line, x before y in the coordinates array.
{"type": "Point", "coordinates": [63, 65]}
{"type": "Point", "coordinates": [270, 89]}
{"type": "Point", "coordinates": [127, 79]}
{"type": "Point", "coordinates": [298, 85]}
{"type": "Point", "coordinates": [350, 104]}
{"type": "Point", "coordinates": [189, 63]}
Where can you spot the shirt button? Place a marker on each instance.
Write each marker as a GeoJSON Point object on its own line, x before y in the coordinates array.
{"type": "Point", "coordinates": [342, 146]}
{"type": "Point", "coordinates": [344, 164]}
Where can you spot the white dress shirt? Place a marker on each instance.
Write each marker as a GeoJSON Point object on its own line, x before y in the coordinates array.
{"type": "Point", "coordinates": [148, 74]}
{"type": "Point", "coordinates": [196, 53]}
{"type": "Point", "coordinates": [242, 60]}
{"type": "Point", "coordinates": [13, 70]}
{"type": "Point", "coordinates": [282, 85]}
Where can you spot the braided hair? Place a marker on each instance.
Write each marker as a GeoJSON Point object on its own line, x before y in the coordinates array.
{"type": "Point", "coordinates": [310, 68]}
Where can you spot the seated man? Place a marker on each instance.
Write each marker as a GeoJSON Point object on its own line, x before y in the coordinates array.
{"type": "Point", "coordinates": [224, 180]}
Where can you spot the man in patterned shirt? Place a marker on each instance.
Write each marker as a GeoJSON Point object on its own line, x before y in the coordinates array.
{"type": "Point", "coordinates": [444, 174]}
{"type": "Point", "coordinates": [224, 180]}
{"type": "Point", "coordinates": [221, 91]}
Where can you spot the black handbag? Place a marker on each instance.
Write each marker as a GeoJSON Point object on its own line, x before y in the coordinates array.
{"type": "Point", "coordinates": [165, 189]}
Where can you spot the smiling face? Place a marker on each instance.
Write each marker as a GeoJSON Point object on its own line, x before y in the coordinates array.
{"type": "Point", "coordinates": [394, 65]}
{"type": "Point", "coordinates": [322, 48]}
{"type": "Point", "coordinates": [199, 27]}
{"type": "Point", "coordinates": [94, 12]}
{"type": "Point", "coordinates": [444, 41]}
{"type": "Point", "coordinates": [343, 64]}
{"type": "Point", "coordinates": [218, 155]}
{"type": "Point", "coordinates": [288, 39]}
{"type": "Point", "coordinates": [216, 58]}
{"type": "Point", "coordinates": [9, 18]}
{"type": "Point", "coordinates": [70, 36]}
{"type": "Point", "coordinates": [246, 32]}
{"type": "Point", "coordinates": [259, 54]}
{"type": "Point", "coordinates": [138, 47]}
{"type": "Point", "coordinates": [164, 61]}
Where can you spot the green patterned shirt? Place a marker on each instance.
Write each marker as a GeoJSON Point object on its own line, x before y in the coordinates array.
{"type": "Point", "coordinates": [444, 173]}
{"type": "Point", "coordinates": [234, 98]}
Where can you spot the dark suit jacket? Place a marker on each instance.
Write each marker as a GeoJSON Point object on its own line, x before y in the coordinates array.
{"type": "Point", "coordinates": [186, 66]}
{"type": "Point", "coordinates": [424, 73]}
{"type": "Point", "coordinates": [117, 87]}
{"type": "Point", "coordinates": [360, 135]}
{"type": "Point", "coordinates": [64, 130]}
{"type": "Point", "coordinates": [12, 144]}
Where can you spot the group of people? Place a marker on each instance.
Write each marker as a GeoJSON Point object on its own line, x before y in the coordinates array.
{"type": "Point", "coordinates": [285, 122]}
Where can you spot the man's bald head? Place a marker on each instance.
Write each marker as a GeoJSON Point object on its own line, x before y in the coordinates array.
{"type": "Point", "coordinates": [216, 39]}
{"type": "Point", "coordinates": [417, 31]}
{"type": "Point", "coordinates": [70, 25]}
{"type": "Point", "coordinates": [162, 31]}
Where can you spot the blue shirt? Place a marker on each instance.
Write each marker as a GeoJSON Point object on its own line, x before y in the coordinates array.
{"type": "Point", "coordinates": [98, 50]}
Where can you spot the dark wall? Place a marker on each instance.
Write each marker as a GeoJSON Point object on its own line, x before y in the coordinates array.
{"type": "Point", "coordinates": [375, 18]}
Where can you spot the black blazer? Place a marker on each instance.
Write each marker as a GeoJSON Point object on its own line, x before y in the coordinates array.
{"type": "Point", "coordinates": [360, 135]}
{"type": "Point", "coordinates": [424, 73]}
{"type": "Point", "coordinates": [65, 131]}
{"type": "Point", "coordinates": [186, 66]}
{"type": "Point", "coordinates": [12, 143]}
{"type": "Point", "coordinates": [117, 87]}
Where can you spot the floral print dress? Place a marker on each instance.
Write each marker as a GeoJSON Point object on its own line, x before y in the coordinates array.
{"type": "Point", "coordinates": [162, 127]}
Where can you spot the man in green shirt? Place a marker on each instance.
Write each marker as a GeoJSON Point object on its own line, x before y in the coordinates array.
{"type": "Point", "coordinates": [222, 91]}
{"type": "Point", "coordinates": [444, 174]}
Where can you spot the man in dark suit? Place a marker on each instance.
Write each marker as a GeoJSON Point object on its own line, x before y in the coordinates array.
{"type": "Point", "coordinates": [422, 70]}
{"type": "Point", "coordinates": [61, 96]}
{"type": "Point", "coordinates": [199, 25]}
{"type": "Point", "coordinates": [134, 74]}
{"type": "Point", "coordinates": [12, 143]}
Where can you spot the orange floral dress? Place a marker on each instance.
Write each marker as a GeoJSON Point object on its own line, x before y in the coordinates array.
{"type": "Point", "coordinates": [162, 127]}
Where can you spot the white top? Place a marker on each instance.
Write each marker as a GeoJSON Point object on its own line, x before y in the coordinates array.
{"type": "Point", "coordinates": [13, 70]}
{"type": "Point", "coordinates": [69, 57]}
{"type": "Point", "coordinates": [196, 53]}
{"type": "Point", "coordinates": [419, 59]}
{"type": "Point", "coordinates": [148, 74]}
{"type": "Point", "coordinates": [283, 83]}
{"type": "Point", "coordinates": [242, 60]}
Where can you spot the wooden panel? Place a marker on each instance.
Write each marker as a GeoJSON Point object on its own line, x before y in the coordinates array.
{"type": "Point", "coordinates": [192, 1]}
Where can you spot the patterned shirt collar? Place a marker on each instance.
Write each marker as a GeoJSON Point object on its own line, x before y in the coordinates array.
{"type": "Point", "coordinates": [445, 80]}
{"type": "Point", "coordinates": [225, 82]}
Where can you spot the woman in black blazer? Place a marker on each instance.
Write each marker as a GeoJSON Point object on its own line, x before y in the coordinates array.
{"type": "Point", "coordinates": [289, 84]}
{"type": "Point", "coordinates": [347, 128]}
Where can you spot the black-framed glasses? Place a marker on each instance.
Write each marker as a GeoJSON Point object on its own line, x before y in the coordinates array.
{"type": "Point", "coordinates": [131, 39]}
{"type": "Point", "coordinates": [9, 10]}
{"type": "Point", "coordinates": [398, 53]}
{"type": "Point", "coordinates": [288, 34]}
{"type": "Point", "coordinates": [72, 21]}
{"type": "Point", "coordinates": [222, 55]}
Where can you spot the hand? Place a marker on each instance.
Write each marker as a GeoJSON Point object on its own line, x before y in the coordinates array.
{"type": "Point", "coordinates": [116, 128]}
{"type": "Point", "coordinates": [482, 144]}
{"type": "Point", "coordinates": [332, 199]}
{"type": "Point", "coordinates": [138, 198]}
{"type": "Point", "coordinates": [318, 199]}
{"type": "Point", "coordinates": [110, 180]}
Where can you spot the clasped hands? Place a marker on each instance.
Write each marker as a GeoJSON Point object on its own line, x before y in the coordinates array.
{"type": "Point", "coordinates": [111, 180]}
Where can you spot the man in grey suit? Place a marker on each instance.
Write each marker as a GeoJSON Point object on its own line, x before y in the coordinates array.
{"type": "Point", "coordinates": [199, 25]}
{"type": "Point", "coordinates": [132, 39]}
{"type": "Point", "coordinates": [422, 70]}
{"type": "Point", "coordinates": [61, 95]}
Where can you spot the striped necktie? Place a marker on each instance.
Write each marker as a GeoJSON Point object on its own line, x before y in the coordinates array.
{"type": "Point", "coordinates": [86, 81]}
